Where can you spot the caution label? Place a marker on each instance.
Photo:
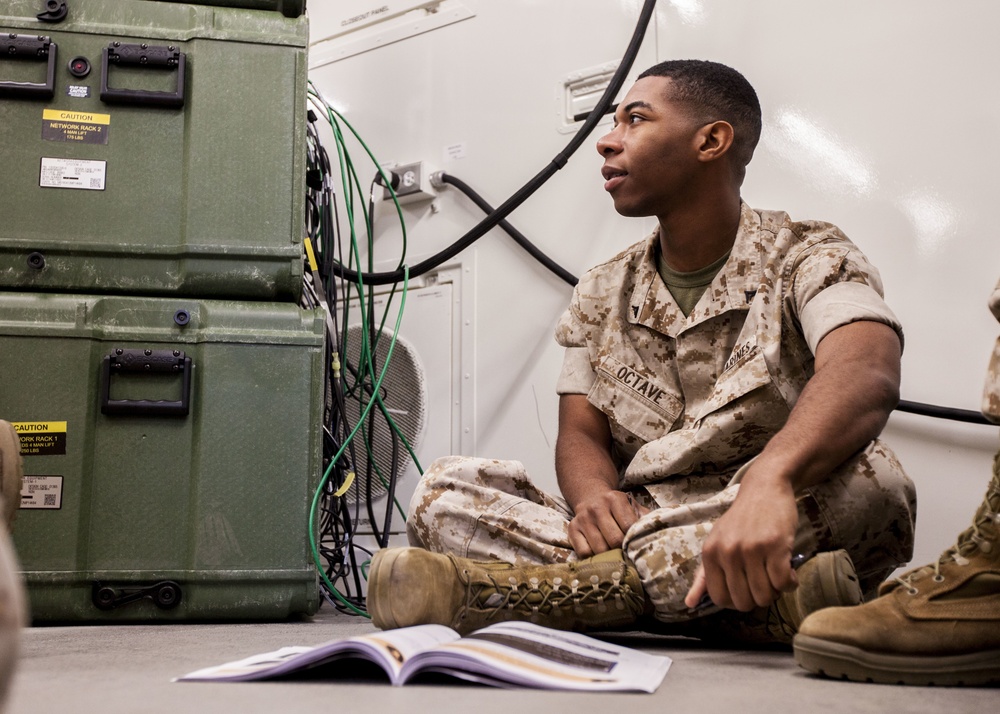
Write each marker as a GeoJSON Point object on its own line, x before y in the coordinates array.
{"type": "Point", "coordinates": [82, 127]}
{"type": "Point", "coordinates": [41, 438]}
{"type": "Point", "coordinates": [42, 492]}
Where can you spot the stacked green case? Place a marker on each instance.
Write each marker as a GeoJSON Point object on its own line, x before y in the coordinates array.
{"type": "Point", "coordinates": [166, 385]}
{"type": "Point", "coordinates": [175, 165]}
{"type": "Point", "coordinates": [170, 485]}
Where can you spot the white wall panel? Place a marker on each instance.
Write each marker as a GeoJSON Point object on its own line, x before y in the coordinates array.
{"type": "Point", "coordinates": [880, 116]}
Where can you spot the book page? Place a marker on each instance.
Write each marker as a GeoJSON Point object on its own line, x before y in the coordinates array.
{"type": "Point", "coordinates": [527, 655]}
{"type": "Point", "coordinates": [397, 647]}
{"type": "Point", "coordinates": [390, 650]}
{"type": "Point", "coordinates": [257, 666]}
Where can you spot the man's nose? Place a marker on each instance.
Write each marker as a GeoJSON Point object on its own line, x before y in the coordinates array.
{"type": "Point", "coordinates": [609, 143]}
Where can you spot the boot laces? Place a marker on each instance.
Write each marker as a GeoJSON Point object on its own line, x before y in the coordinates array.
{"type": "Point", "coordinates": [554, 597]}
{"type": "Point", "coordinates": [981, 535]}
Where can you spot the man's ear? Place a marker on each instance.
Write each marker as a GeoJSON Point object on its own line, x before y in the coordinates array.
{"type": "Point", "coordinates": [714, 140]}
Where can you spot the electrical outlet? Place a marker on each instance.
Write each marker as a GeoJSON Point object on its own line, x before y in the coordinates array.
{"type": "Point", "coordinates": [414, 183]}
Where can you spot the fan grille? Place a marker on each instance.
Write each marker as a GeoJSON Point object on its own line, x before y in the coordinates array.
{"type": "Point", "coordinates": [404, 395]}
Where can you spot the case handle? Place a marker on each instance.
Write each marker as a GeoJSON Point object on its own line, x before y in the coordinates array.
{"type": "Point", "coordinates": [34, 47]}
{"type": "Point", "coordinates": [166, 362]}
{"type": "Point", "coordinates": [124, 55]}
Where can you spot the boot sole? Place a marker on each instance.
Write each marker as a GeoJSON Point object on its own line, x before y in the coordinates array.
{"type": "Point", "coordinates": [840, 661]}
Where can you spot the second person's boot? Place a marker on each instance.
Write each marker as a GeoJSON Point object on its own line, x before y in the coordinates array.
{"type": "Point", "coordinates": [938, 624]}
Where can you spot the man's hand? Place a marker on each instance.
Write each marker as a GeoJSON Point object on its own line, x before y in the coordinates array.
{"type": "Point", "coordinates": [588, 478]}
{"type": "Point", "coordinates": [600, 522]}
{"type": "Point", "coordinates": [746, 560]}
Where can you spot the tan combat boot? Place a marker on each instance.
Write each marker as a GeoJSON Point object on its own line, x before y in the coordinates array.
{"type": "Point", "coordinates": [826, 580]}
{"type": "Point", "coordinates": [413, 586]}
{"type": "Point", "coordinates": [938, 624]}
{"type": "Point", "coordinates": [12, 599]}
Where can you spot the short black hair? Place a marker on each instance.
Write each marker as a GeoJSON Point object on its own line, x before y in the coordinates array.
{"type": "Point", "coordinates": [715, 91]}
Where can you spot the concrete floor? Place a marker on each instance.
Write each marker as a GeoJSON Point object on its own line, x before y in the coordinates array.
{"type": "Point", "coordinates": [112, 669]}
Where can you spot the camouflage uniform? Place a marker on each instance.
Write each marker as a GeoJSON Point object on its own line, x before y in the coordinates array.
{"type": "Point", "coordinates": [690, 401]}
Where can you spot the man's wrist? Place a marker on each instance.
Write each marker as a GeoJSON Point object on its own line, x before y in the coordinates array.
{"type": "Point", "coordinates": [585, 491]}
{"type": "Point", "coordinates": [770, 474]}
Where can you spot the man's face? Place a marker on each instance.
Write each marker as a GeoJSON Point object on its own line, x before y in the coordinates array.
{"type": "Point", "coordinates": [651, 154]}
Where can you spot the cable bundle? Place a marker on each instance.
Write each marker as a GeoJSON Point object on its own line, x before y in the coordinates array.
{"type": "Point", "coordinates": [354, 408]}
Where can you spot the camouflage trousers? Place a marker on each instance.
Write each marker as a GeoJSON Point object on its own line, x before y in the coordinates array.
{"type": "Point", "coordinates": [490, 510]}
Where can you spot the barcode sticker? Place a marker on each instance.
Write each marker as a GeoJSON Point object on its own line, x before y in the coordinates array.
{"type": "Point", "coordinates": [73, 173]}
{"type": "Point", "coordinates": [42, 492]}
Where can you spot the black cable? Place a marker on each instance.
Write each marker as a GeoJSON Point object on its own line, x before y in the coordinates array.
{"type": "Point", "coordinates": [373, 366]}
{"type": "Point", "coordinates": [964, 415]}
{"type": "Point", "coordinates": [365, 388]}
{"type": "Point", "coordinates": [518, 237]}
{"type": "Point", "coordinates": [522, 194]}
{"type": "Point", "coordinates": [349, 541]}
{"type": "Point", "coordinates": [390, 491]}
{"type": "Point", "coordinates": [370, 476]}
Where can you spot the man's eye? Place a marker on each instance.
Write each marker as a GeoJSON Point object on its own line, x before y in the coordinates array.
{"type": "Point", "coordinates": [633, 118]}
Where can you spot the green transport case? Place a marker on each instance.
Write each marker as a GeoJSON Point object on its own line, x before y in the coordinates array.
{"type": "Point", "coordinates": [153, 148]}
{"type": "Point", "coordinates": [171, 450]}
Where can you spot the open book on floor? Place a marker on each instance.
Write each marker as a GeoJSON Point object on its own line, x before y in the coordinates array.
{"type": "Point", "coordinates": [509, 654]}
